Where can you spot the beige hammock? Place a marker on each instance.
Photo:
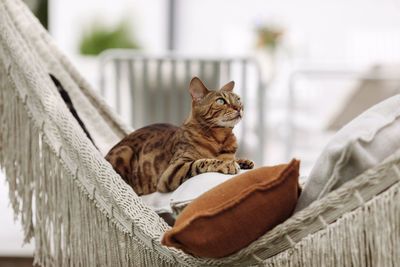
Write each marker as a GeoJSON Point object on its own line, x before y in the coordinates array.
{"type": "Point", "coordinates": [81, 213]}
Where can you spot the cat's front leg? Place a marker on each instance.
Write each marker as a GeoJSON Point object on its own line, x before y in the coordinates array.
{"type": "Point", "coordinates": [176, 173]}
{"type": "Point", "coordinates": [216, 165]}
{"type": "Point", "coordinates": [245, 164]}
{"type": "Point", "coordinates": [179, 171]}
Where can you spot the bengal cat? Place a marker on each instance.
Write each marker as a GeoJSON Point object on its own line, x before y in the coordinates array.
{"type": "Point", "coordinates": [160, 157]}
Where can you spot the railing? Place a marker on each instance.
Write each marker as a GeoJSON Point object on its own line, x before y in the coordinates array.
{"type": "Point", "coordinates": [147, 89]}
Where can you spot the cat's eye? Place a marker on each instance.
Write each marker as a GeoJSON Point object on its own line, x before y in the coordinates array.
{"type": "Point", "coordinates": [238, 101]}
{"type": "Point", "coordinates": [220, 101]}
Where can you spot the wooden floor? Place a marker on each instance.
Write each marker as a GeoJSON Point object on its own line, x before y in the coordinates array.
{"type": "Point", "coordinates": [16, 262]}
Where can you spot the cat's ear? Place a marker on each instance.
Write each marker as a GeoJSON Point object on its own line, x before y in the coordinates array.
{"type": "Point", "coordinates": [228, 87]}
{"type": "Point", "coordinates": [197, 89]}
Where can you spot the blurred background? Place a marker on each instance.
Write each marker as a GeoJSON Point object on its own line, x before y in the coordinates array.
{"type": "Point", "coordinates": [303, 68]}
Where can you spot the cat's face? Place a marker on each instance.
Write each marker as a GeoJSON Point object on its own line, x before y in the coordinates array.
{"type": "Point", "coordinates": [215, 108]}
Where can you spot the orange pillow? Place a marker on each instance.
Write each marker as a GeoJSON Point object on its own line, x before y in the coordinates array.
{"type": "Point", "coordinates": [233, 214]}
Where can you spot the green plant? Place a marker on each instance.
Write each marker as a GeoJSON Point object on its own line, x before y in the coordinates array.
{"type": "Point", "coordinates": [99, 38]}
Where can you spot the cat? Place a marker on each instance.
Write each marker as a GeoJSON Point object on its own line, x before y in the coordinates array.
{"type": "Point", "coordinates": [160, 157]}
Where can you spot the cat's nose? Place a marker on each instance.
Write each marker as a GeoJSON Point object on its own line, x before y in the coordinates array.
{"type": "Point", "coordinates": [237, 108]}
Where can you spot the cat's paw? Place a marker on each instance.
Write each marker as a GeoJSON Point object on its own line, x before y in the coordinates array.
{"type": "Point", "coordinates": [245, 164]}
{"type": "Point", "coordinates": [229, 167]}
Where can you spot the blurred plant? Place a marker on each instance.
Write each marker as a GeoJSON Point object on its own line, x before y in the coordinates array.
{"type": "Point", "coordinates": [268, 37]}
{"type": "Point", "coordinates": [99, 38]}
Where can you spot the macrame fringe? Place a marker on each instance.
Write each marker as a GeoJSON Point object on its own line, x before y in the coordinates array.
{"type": "Point", "coordinates": [68, 227]}
{"type": "Point", "coordinates": [368, 236]}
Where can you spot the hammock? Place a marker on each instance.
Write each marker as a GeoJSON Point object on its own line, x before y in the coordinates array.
{"type": "Point", "coordinates": [81, 213]}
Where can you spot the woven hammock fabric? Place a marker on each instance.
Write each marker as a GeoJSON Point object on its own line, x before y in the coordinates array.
{"type": "Point", "coordinates": [80, 212]}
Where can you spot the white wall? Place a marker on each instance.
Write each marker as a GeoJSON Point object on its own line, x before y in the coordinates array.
{"type": "Point", "coordinates": [334, 30]}
{"type": "Point", "coordinates": [318, 30]}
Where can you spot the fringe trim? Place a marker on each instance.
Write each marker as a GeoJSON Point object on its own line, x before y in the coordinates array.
{"type": "Point", "coordinates": [68, 226]}
{"type": "Point", "coordinates": [367, 236]}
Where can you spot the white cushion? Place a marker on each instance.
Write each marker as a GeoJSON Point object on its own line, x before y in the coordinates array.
{"type": "Point", "coordinates": [194, 187]}
{"type": "Point", "coordinates": [159, 202]}
{"type": "Point", "coordinates": [175, 201]}
{"type": "Point", "coordinates": [363, 143]}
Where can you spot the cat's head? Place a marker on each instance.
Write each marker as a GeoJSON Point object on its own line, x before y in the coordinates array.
{"type": "Point", "coordinates": [215, 108]}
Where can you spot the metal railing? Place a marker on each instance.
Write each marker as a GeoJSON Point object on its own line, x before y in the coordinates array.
{"type": "Point", "coordinates": [147, 89]}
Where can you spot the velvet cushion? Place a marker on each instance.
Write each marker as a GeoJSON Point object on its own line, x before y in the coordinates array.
{"type": "Point", "coordinates": [235, 213]}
